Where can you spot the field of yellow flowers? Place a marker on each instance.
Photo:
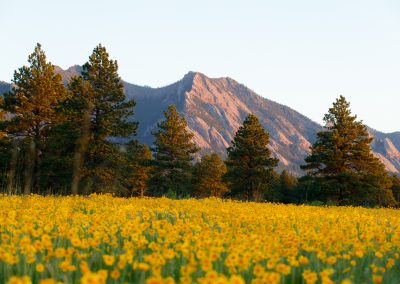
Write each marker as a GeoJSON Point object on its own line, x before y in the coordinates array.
{"type": "Point", "coordinates": [103, 239]}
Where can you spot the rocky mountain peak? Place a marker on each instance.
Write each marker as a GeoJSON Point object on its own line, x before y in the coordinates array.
{"type": "Point", "coordinates": [216, 107]}
{"type": "Point", "coordinates": [77, 69]}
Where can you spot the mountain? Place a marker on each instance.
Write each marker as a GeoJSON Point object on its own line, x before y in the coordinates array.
{"type": "Point", "coordinates": [387, 148]}
{"type": "Point", "coordinates": [66, 75]}
{"type": "Point", "coordinates": [215, 108]}
{"type": "Point", "coordinates": [69, 73]}
{"type": "Point", "coordinates": [4, 87]}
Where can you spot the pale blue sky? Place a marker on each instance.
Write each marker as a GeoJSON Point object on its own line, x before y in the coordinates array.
{"type": "Point", "coordinates": [300, 53]}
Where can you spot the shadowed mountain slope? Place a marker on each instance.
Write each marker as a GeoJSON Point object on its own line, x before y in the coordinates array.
{"type": "Point", "coordinates": [4, 87]}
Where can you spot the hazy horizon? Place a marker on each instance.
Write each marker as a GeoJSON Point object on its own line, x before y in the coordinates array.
{"type": "Point", "coordinates": [302, 55]}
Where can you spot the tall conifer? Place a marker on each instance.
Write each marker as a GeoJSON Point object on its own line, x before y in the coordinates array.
{"type": "Point", "coordinates": [249, 160]}
{"type": "Point", "coordinates": [137, 168]}
{"type": "Point", "coordinates": [36, 92]}
{"type": "Point", "coordinates": [109, 112]}
{"type": "Point", "coordinates": [209, 177]}
{"type": "Point", "coordinates": [342, 158]}
{"type": "Point", "coordinates": [173, 154]}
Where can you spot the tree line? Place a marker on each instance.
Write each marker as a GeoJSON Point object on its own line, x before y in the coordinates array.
{"type": "Point", "coordinates": [79, 139]}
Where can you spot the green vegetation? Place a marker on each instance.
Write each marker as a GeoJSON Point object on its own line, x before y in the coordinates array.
{"type": "Point", "coordinates": [80, 139]}
{"type": "Point", "coordinates": [342, 168]}
{"type": "Point", "coordinates": [249, 161]}
{"type": "Point", "coordinates": [173, 155]}
{"type": "Point", "coordinates": [209, 177]}
{"type": "Point", "coordinates": [137, 168]}
{"type": "Point", "coordinates": [33, 100]}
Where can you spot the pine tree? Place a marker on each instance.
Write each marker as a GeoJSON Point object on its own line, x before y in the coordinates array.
{"type": "Point", "coordinates": [271, 191]}
{"type": "Point", "coordinates": [79, 110]}
{"type": "Point", "coordinates": [396, 187]}
{"type": "Point", "coordinates": [109, 113]}
{"type": "Point", "coordinates": [4, 151]}
{"type": "Point", "coordinates": [2, 119]}
{"type": "Point", "coordinates": [173, 154]}
{"type": "Point", "coordinates": [32, 102]}
{"type": "Point", "coordinates": [287, 187]}
{"type": "Point", "coordinates": [138, 168]}
{"type": "Point", "coordinates": [249, 160]}
{"type": "Point", "coordinates": [342, 159]}
{"type": "Point", "coordinates": [5, 161]}
{"type": "Point", "coordinates": [57, 163]}
{"type": "Point", "coordinates": [208, 177]}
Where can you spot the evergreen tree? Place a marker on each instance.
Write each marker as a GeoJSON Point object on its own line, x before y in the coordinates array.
{"type": "Point", "coordinates": [287, 187]}
{"type": "Point", "coordinates": [104, 102]}
{"type": "Point", "coordinates": [249, 160]}
{"type": "Point", "coordinates": [57, 163]}
{"type": "Point", "coordinates": [36, 92]}
{"type": "Point", "coordinates": [271, 191]}
{"type": "Point", "coordinates": [2, 119]}
{"type": "Point", "coordinates": [396, 188]}
{"type": "Point", "coordinates": [5, 159]}
{"type": "Point", "coordinates": [342, 160]}
{"type": "Point", "coordinates": [4, 149]}
{"type": "Point", "coordinates": [208, 177]}
{"type": "Point", "coordinates": [138, 168]}
{"type": "Point", "coordinates": [79, 110]}
{"type": "Point", "coordinates": [173, 154]}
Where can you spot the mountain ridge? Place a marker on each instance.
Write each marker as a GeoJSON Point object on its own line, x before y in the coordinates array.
{"type": "Point", "coordinates": [215, 108]}
{"type": "Point", "coordinates": [289, 143]}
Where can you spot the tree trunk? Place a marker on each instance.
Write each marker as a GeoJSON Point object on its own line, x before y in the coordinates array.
{"type": "Point", "coordinates": [79, 154]}
{"type": "Point", "coordinates": [35, 168]}
{"type": "Point", "coordinates": [29, 167]}
{"type": "Point", "coordinates": [11, 187]}
{"type": "Point", "coordinates": [36, 173]}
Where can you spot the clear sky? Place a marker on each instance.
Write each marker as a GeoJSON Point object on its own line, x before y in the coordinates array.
{"type": "Point", "coordinates": [302, 54]}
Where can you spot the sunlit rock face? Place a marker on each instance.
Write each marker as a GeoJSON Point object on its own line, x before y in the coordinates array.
{"type": "Point", "coordinates": [215, 108]}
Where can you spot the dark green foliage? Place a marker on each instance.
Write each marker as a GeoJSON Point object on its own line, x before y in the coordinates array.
{"type": "Point", "coordinates": [5, 160]}
{"type": "Point", "coordinates": [249, 160]}
{"type": "Point", "coordinates": [342, 168]}
{"type": "Point", "coordinates": [343, 189]}
{"type": "Point", "coordinates": [2, 118]}
{"type": "Point", "coordinates": [56, 168]}
{"type": "Point", "coordinates": [110, 107]}
{"type": "Point", "coordinates": [55, 137]}
{"type": "Point", "coordinates": [137, 168]}
{"type": "Point", "coordinates": [99, 97]}
{"type": "Point", "coordinates": [208, 177]}
{"type": "Point", "coordinates": [5, 151]}
{"type": "Point", "coordinates": [173, 154]}
{"type": "Point", "coordinates": [283, 188]}
{"type": "Point", "coordinates": [79, 110]}
{"type": "Point", "coordinates": [271, 191]}
{"type": "Point", "coordinates": [32, 104]}
{"type": "Point", "coordinates": [396, 187]}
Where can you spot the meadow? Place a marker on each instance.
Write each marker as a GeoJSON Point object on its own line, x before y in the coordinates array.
{"type": "Point", "coordinates": [104, 239]}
